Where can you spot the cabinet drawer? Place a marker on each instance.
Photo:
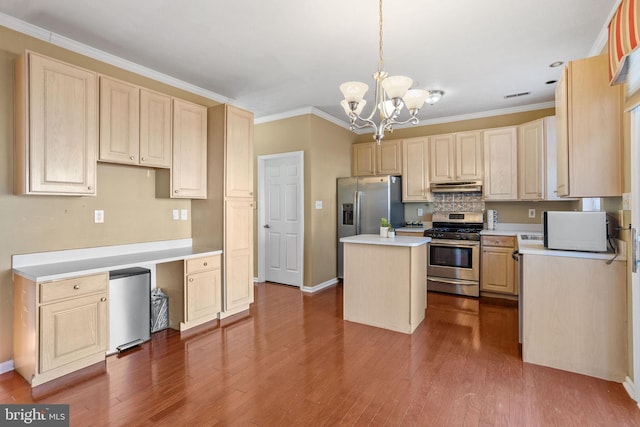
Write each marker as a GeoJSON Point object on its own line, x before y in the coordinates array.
{"type": "Point", "coordinates": [501, 241]}
{"type": "Point", "coordinates": [203, 264]}
{"type": "Point", "coordinates": [71, 288]}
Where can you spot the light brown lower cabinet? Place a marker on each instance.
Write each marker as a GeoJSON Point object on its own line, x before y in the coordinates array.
{"type": "Point", "coordinates": [194, 290]}
{"type": "Point", "coordinates": [498, 268]}
{"type": "Point", "coordinates": [59, 326]}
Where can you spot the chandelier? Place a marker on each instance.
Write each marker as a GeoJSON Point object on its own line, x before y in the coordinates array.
{"type": "Point", "coordinates": [392, 94]}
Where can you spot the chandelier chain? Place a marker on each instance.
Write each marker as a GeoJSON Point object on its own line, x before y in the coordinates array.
{"type": "Point", "coordinates": [380, 59]}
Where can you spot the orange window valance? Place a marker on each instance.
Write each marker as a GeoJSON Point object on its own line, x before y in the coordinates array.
{"type": "Point", "coordinates": [624, 38]}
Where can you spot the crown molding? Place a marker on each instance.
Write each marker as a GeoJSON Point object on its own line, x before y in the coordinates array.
{"type": "Point", "coordinates": [603, 36]}
{"type": "Point", "coordinates": [449, 119]}
{"type": "Point", "coordinates": [86, 50]}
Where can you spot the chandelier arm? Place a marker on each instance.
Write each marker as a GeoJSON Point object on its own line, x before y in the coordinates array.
{"type": "Point", "coordinates": [366, 123]}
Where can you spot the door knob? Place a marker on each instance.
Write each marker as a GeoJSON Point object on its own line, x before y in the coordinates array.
{"type": "Point", "coordinates": [267, 226]}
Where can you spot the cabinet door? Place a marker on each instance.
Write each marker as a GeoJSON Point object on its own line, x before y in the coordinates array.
{"type": "Point", "coordinates": [155, 129]}
{"type": "Point", "coordinates": [239, 153]}
{"type": "Point", "coordinates": [363, 159]}
{"type": "Point", "coordinates": [441, 158]}
{"type": "Point", "coordinates": [189, 171]}
{"type": "Point", "coordinates": [238, 253]}
{"type": "Point", "coordinates": [562, 137]}
{"type": "Point", "coordinates": [500, 164]}
{"type": "Point", "coordinates": [497, 270]}
{"type": "Point", "coordinates": [415, 167]}
{"type": "Point", "coordinates": [469, 156]}
{"type": "Point", "coordinates": [389, 157]}
{"type": "Point", "coordinates": [63, 128]}
{"type": "Point", "coordinates": [531, 160]}
{"type": "Point", "coordinates": [203, 294]}
{"type": "Point", "coordinates": [73, 329]}
{"type": "Point", "coordinates": [594, 120]}
{"type": "Point", "coordinates": [119, 121]}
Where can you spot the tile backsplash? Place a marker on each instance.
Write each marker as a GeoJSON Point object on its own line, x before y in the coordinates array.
{"type": "Point", "coordinates": [458, 202]}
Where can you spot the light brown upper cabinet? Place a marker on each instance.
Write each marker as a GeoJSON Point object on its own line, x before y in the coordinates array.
{"type": "Point", "coordinates": [369, 158]}
{"type": "Point", "coordinates": [588, 123]}
{"type": "Point", "coordinates": [56, 127]}
{"type": "Point", "coordinates": [531, 160]}
{"type": "Point", "coordinates": [135, 125]}
{"type": "Point", "coordinates": [537, 160]}
{"type": "Point", "coordinates": [456, 157]}
{"type": "Point", "coordinates": [238, 133]}
{"type": "Point", "coordinates": [189, 163]}
{"type": "Point", "coordinates": [501, 164]}
{"type": "Point", "coordinates": [415, 166]}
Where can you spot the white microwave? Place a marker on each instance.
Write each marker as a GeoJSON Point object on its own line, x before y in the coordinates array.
{"type": "Point", "coordinates": [575, 231]}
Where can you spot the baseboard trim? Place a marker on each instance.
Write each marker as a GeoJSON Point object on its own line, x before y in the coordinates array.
{"type": "Point", "coordinates": [630, 388]}
{"type": "Point", "coordinates": [6, 367]}
{"type": "Point", "coordinates": [320, 286]}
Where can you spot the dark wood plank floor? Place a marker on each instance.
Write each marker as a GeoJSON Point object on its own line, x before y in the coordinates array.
{"type": "Point", "coordinates": [294, 361]}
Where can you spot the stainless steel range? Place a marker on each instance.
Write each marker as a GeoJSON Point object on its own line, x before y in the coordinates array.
{"type": "Point", "coordinates": [453, 258]}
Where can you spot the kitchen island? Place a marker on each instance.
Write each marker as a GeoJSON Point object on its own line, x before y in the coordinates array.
{"type": "Point", "coordinates": [385, 281]}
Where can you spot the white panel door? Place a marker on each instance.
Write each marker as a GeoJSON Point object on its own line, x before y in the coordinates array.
{"type": "Point", "coordinates": [283, 220]}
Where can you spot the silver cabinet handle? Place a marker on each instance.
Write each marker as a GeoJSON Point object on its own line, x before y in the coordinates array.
{"type": "Point", "coordinates": [90, 187]}
{"type": "Point", "coordinates": [205, 264]}
{"type": "Point", "coordinates": [266, 226]}
{"type": "Point", "coordinates": [132, 158]}
{"type": "Point", "coordinates": [76, 287]}
{"type": "Point", "coordinates": [175, 191]}
{"type": "Point", "coordinates": [190, 279]}
{"type": "Point", "coordinates": [103, 299]}
{"type": "Point", "coordinates": [143, 159]}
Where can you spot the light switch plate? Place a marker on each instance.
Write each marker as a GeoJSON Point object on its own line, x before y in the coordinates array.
{"type": "Point", "coordinates": [318, 204]}
{"type": "Point", "coordinates": [532, 213]}
{"type": "Point", "coordinates": [183, 214]}
{"type": "Point", "coordinates": [176, 214]}
{"type": "Point", "coordinates": [626, 202]}
{"type": "Point", "coordinates": [98, 216]}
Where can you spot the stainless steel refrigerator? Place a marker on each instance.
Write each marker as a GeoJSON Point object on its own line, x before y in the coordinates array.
{"type": "Point", "coordinates": [362, 202]}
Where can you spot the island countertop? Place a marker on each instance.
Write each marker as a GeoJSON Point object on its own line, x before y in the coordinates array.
{"type": "Point", "coordinates": [375, 239]}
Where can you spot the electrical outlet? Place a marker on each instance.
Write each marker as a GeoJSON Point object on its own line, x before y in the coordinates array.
{"type": "Point", "coordinates": [532, 213]}
{"type": "Point", "coordinates": [175, 214]}
{"type": "Point", "coordinates": [318, 204]}
{"type": "Point", "coordinates": [420, 212]}
{"type": "Point", "coordinates": [98, 216]}
{"type": "Point", "coordinates": [183, 214]}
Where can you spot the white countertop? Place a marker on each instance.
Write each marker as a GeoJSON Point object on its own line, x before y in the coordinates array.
{"type": "Point", "coordinates": [512, 229]}
{"type": "Point", "coordinates": [536, 247]}
{"type": "Point", "coordinates": [81, 262]}
{"type": "Point", "coordinates": [375, 239]}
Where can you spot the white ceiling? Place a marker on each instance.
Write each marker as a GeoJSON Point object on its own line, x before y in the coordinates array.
{"type": "Point", "coordinates": [275, 56]}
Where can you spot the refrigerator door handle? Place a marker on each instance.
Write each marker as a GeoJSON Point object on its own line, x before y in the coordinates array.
{"type": "Point", "coordinates": [356, 203]}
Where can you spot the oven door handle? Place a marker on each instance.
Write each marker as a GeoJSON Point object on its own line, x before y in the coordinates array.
{"type": "Point", "coordinates": [454, 244]}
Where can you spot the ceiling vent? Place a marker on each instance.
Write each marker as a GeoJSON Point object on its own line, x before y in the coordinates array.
{"type": "Point", "coordinates": [515, 95]}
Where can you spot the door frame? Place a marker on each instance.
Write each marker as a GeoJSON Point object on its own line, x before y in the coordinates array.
{"type": "Point", "coordinates": [633, 387]}
{"type": "Point", "coordinates": [260, 218]}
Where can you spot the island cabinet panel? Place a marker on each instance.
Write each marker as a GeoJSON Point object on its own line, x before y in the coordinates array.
{"type": "Point", "coordinates": [56, 127]}
{"type": "Point", "coordinates": [393, 294]}
{"type": "Point", "coordinates": [575, 315]}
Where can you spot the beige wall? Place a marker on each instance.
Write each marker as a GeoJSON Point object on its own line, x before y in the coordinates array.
{"type": "Point", "coordinates": [45, 223]}
{"type": "Point", "coordinates": [327, 156]}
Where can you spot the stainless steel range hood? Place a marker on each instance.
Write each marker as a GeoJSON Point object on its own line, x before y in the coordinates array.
{"type": "Point", "coordinates": [457, 187]}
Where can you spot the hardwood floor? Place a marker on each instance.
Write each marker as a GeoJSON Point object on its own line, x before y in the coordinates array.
{"type": "Point", "coordinates": [294, 361]}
